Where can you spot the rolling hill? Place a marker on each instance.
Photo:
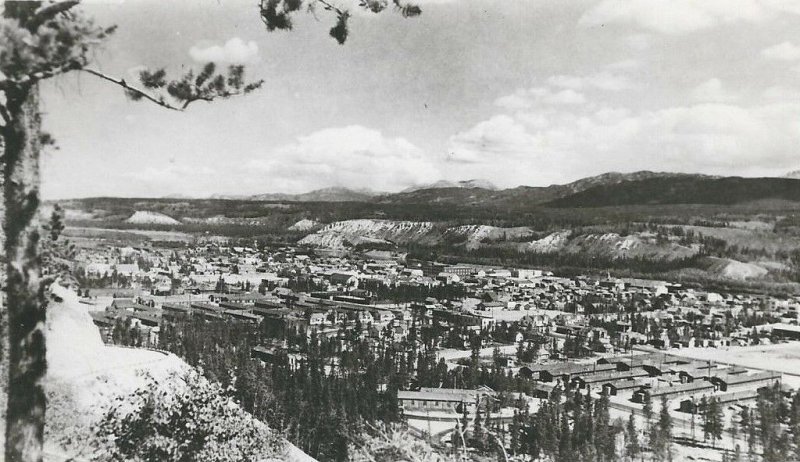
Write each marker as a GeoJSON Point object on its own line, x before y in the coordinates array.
{"type": "Point", "coordinates": [334, 194]}
{"type": "Point", "coordinates": [683, 190]}
{"type": "Point", "coordinates": [522, 196]}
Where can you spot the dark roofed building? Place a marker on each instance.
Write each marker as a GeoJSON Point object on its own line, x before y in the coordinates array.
{"type": "Point", "coordinates": [614, 388]}
{"type": "Point", "coordinates": [739, 381]}
{"type": "Point", "coordinates": [684, 389]}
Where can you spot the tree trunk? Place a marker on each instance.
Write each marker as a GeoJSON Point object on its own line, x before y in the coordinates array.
{"type": "Point", "coordinates": [25, 297]}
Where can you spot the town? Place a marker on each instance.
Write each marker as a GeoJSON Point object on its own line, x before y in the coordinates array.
{"type": "Point", "coordinates": [486, 343]}
{"type": "Point", "coordinates": [400, 231]}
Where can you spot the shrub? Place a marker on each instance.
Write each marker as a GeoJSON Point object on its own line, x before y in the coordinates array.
{"type": "Point", "coordinates": [185, 419]}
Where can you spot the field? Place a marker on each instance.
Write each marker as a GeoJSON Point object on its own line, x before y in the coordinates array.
{"type": "Point", "coordinates": [134, 235]}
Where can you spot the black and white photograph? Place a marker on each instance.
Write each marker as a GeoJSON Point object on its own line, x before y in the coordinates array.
{"type": "Point", "coordinates": [400, 231]}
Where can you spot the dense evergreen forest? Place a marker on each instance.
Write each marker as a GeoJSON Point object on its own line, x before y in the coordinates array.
{"type": "Point", "coordinates": [321, 404]}
{"type": "Point", "coordinates": [342, 386]}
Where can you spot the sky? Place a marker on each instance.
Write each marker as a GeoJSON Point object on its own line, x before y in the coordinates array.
{"type": "Point", "coordinates": [517, 92]}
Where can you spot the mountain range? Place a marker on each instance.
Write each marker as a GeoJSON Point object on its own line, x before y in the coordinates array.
{"type": "Point", "coordinates": [332, 194]}
{"type": "Point", "coordinates": [608, 189]}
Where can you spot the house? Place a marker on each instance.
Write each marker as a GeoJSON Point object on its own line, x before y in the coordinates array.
{"type": "Point", "coordinates": [316, 319]}
{"type": "Point", "coordinates": [127, 269]}
{"type": "Point", "coordinates": [491, 306]}
{"type": "Point", "coordinates": [365, 317]}
{"type": "Point", "coordinates": [448, 278]}
{"type": "Point", "coordinates": [344, 280]}
{"type": "Point", "coordinates": [382, 315]}
{"type": "Point", "coordinates": [277, 355]}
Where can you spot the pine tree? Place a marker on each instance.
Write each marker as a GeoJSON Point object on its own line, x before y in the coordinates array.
{"type": "Point", "coordinates": [705, 413]}
{"type": "Point", "coordinates": [647, 411]}
{"type": "Point", "coordinates": [477, 425]}
{"type": "Point", "coordinates": [43, 40]}
{"type": "Point", "coordinates": [716, 420]}
{"type": "Point", "coordinates": [632, 447]}
{"type": "Point", "coordinates": [662, 432]}
{"type": "Point", "coordinates": [514, 430]}
{"type": "Point", "coordinates": [734, 429]}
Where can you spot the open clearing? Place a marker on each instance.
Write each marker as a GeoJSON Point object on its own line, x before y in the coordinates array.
{"type": "Point", "coordinates": [130, 234]}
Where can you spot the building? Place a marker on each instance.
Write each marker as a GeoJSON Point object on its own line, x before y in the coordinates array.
{"type": "Point", "coordinates": [568, 371]}
{"type": "Point", "coordinates": [611, 377]}
{"type": "Point", "coordinates": [732, 382]}
{"type": "Point", "coordinates": [444, 399]}
{"type": "Point", "coordinates": [674, 391]}
{"type": "Point", "coordinates": [691, 405]}
{"type": "Point", "coordinates": [787, 331]}
{"type": "Point", "coordinates": [174, 311]}
{"type": "Point", "coordinates": [344, 280]}
{"type": "Point", "coordinates": [615, 388]}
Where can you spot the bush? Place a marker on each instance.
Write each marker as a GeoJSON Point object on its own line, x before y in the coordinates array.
{"type": "Point", "coordinates": [185, 419]}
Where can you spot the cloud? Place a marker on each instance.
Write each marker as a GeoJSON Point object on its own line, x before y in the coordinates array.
{"type": "Point", "coordinates": [624, 65]}
{"type": "Point", "coordinates": [712, 91]}
{"type": "Point", "coordinates": [515, 101]}
{"type": "Point", "coordinates": [526, 98]}
{"type": "Point", "coordinates": [567, 96]}
{"type": "Point", "coordinates": [601, 80]}
{"type": "Point", "coordinates": [234, 50]}
{"type": "Point", "coordinates": [175, 177]}
{"type": "Point", "coordinates": [549, 144]}
{"type": "Point", "coordinates": [499, 137]}
{"type": "Point", "coordinates": [683, 16]}
{"type": "Point", "coordinates": [639, 42]}
{"type": "Point", "coordinates": [779, 93]}
{"type": "Point", "coordinates": [786, 51]}
{"type": "Point", "coordinates": [353, 156]}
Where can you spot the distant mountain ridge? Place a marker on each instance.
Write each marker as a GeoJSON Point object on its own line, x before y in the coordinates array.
{"type": "Point", "coordinates": [332, 194]}
{"type": "Point", "coordinates": [689, 189]}
{"type": "Point", "coordinates": [609, 189]}
{"type": "Point", "coordinates": [466, 184]}
{"type": "Point", "coordinates": [522, 194]}
{"type": "Point", "coordinates": [793, 174]}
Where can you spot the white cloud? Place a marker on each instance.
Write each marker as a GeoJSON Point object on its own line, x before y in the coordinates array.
{"type": "Point", "coordinates": [353, 156]}
{"type": "Point", "coordinates": [639, 42]}
{"type": "Point", "coordinates": [515, 101]}
{"type": "Point", "coordinates": [624, 65]}
{"type": "Point", "coordinates": [779, 93]}
{"type": "Point", "coordinates": [499, 137]}
{"type": "Point", "coordinates": [547, 144]}
{"type": "Point", "coordinates": [712, 91]}
{"type": "Point", "coordinates": [174, 177]}
{"type": "Point", "coordinates": [567, 96]}
{"type": "Point", "coordinates": [601, 80]}
{"type": "Point", "coordinates": [682, 16]}
{"type": "Point", "coordinates": [526, 98]}
{"type": "Point", "coordinates": [234, 50]}
{"type": "Point", "coordinates": [786, 51]}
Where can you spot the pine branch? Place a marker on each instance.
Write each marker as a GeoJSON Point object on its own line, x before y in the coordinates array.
{"type": "Point", "coordinates": [34, 77]}
{"type": "Point", "coordinates": [140, 93]}
{"type": "Point", "coordinates": [329, 6]}
{"type": "Point", "coordinates": [46, 13]}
